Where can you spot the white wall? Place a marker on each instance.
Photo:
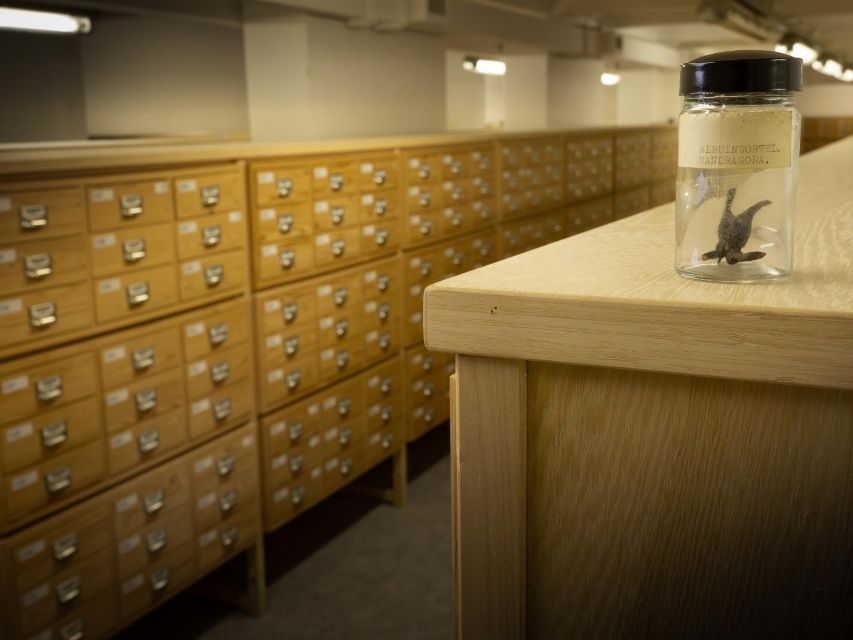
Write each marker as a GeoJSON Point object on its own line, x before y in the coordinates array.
{"type": "Point", "coordinates": [466, 94]}
{"type": "Point", "coordinates": [647, 96]}
{"type": "Point", "coordinates": [526, 92]}
{"type": "Point", "coordinates": [576, 97]}
{"type": "Point", "coordinates": [826, 99]}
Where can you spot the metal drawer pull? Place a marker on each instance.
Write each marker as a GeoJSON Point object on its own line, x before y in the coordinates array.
{"type": "Point", "coordinates": [222, 410]}
{"type": "Point", "coordinates": [149, 441]}
{"type": "Point", "coordinates": [341, 328]}
{"type": "Point", "coordinates": [345, 436]}
{"type": "Point", "coordinates": [284, 187]}
{"type": "Point", "coordinates": [339, 247]}
{"type": "Point", "coordinates": [486, 249]}
{"type": "Point", "coordinates": [210, 196]}
{"type": "Point", "coordinates": [344, 407]}
{"type": "Point", "coordinates": [58, 479]}
{"type": "Point", "coordinates": [296, 463]}
{"type": "Point", "coordinates": [426, 228]}
{"type": "Point", "coordinates": [428, 362]}
{"type": "Point", "coordinates": [428, 416]}
{"type": "Point", "coordinates": [458, 258]}
{"type": "Point", "coordinates": [297, 496]}
{"type": "Point", "coordinates": [157, 540]}
{"type": "Point", "coordinates": [220, 372]}
{"type": "Point", "coordinates": [424, 199]}
{"type": "Point", "coordinates": [75, 630]}
{"type": "Point", "coordinates": [230, 537]}
{"type": "Point", "coordinates": [137, 294]}
{"type": "Point", "coordinates": [381, 237]}
{"type": "Point", "coordinates": [295, 431]}
{"type": "Point", "coordinates": [456, 194]}
{"type": "Point", "coordinates": [380, 207]}
{"type": "Point", "coordinates": [485, 189]}
{"type": "Point", "coordinates": [384, 341]}
{"type": "Point", "coordinates": [211, 236]}
{"type": "Point", "coordinates": [65, 547]}
{"type": "Point", "coordinates": [386, 385]}
{"type": "Point", "coordinates": [33, 216]}
{"type": "Point", "coordinates": [218, 333]}
{"type": "Point", "coordinates": [146, 400]}
{"type": "Point", "coordinates": [380, 176]}
{"type": "Point", "coordinates": [428, 390]}
{"type": "Point", "coordinates": [346, 466]}
{"type": "Point", "coordinates": [131, 206]}
{"type": "Point", "coordinates": [384, 311]}
{"type": "Point", "coordinates": [293, 380]}
{"type": "Point", "coordinates": [228, 501]}
{"type": "Point", "coordinates": [340, 297]}
{"type": "Point", "coordinates": [387, 413]}
{"type": "Point", "coordinates": [456, 168]}
{"type": "Point", "coordinates": [426, 268]}
{"type": "Point", "coordinates": [423, 171]}
{"type": "Point", "coordinates": [143, 358]}
{"type": "Point", "coordinates": [387, 439]}
{"type": "Point", "coordinates": [49, 388]}
{"type": "Point", "coordinates": [160, 580]}
{"type": "Point", "coordinates": [336, 181]}
{"type": "Point", "coordinates": [337, 215]}
{"type": "Point", "coordinates": [154, 502]}
{"type": "Point", "coordinates": [54, 434]}
{"type": "Point", "coordinates": [214, 274]}
{"type": "Point", "coordinates": [69, 590]}
{"type": "Point", "coordinates": [287, 258]}
{"type": "Point", "coordinates": [342, 359]}
{"type": "Point", "coordinates": [134, 250]}
{"type": "Point", "coordinates": [38, 266]}
{"type": "Point", "coordinates": [457, 219]}
{"type": "Point", "coordinates": [225, 465]}
{"type": "Point", "coordinates": [291, 346]}
{"type": "Point", "coordinates": [285, 223]}
{"type": "Point", "coordinates": [290, 312]}
{"type": "Point", "coordinates": [43, 314]}
{"type": "Point", "coordinates": [383, 282]}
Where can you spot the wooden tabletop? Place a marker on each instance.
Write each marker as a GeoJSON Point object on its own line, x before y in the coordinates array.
{"type": "Point", "coordinates": [610, 297]}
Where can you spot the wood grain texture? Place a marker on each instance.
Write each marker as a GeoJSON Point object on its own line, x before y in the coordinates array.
{"type": "Point", "coordinates": [684, 507]}
{"type": "Point", "coordinates": [610, 297]}
{"type": "Point", "coordinates": [489, 437]}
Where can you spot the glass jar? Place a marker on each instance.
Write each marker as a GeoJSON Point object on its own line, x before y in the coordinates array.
{"type": "Point", "coordinates": [738, 145]}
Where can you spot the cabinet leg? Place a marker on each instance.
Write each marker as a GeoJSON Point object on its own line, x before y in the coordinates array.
{"type": "Point", "coordinates": [243, 585]}
{"type": "Point", "coordinates": [400, 477]}
{"type": "Point", "coordinates": [254, 601]}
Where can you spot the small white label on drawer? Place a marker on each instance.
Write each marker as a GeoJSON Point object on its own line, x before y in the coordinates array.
{"type": "Point", "coordinates": [372, 381]}
{"type": "Point", "coordinates": [316, 472]}
{"type": "Point", "coordinates": [325, 290]}
{"type": "Point", "coordinates": [414, 220]}
{"type": "Point", "coordinates": [19, 432]}
{"type": "Point", "coordinates": [327, 354]}
{"type": "Point", "coordinates": [277, 428]}
{"type": "Point", "coordinates": [279, 461]}
{"type": "Point", "coordinates": [326, 322]}
{"type": "Point", "coordinates": [235, 216]}
{"type": "Point", "coordinates": [13, 385]}
{"type": "Point", "coordinates": [273, 341]}
{"type": "Point", "coordinates": [374, 410]}
{"type": "Point", "coordinates": [206, 538]}
{"type": "Point", "coordinates": [8, 255]}
{"type": "Point", "coordinates": [280, 495]}
{"type": "Point", "coordinates": [161, 187]}
{"type": "Point", "coordinates": [373, 336]}
{"type": "Point", "coordinates": [31, 550]}
{"type": "Point", "coordinates": [477, 205]}
{"type": "Point", "coordinates": [370, 307]}
{"type": "Point", "coordinates": [331, 434]}
{"type": "Point", "coordinates": [266, 214]}
{"type": "Point", "coordinates": [413, 191]}
{"type": "Point", "coordinates": [328, 403]}
{"type": "Point", "coordinates": [375, 438]}
{"type": "Point", "coordinates": [314, 442]}
{"type": "Point", "coordinates": [448, 253]}
{"type": "Point", "coordinates": [269, 250]}
{"type": "Point", "coordinates": [417, 359]}
{"type": "Point", "coordinates": [416, 290]}
{"type": "Point", "coordinates": [367, 199]}
{"type": "Point", "coordinates": [31, 597]}
{"type": "Point", "coordinates": [197, 368]}
{"type": "Point", "coordinates": [271, 306]}
{"type": "Point", "coordinates": [189, 268]}
{"type": "Point", "coordinates": [366, 167]}
{"type": "Point", "coordinates": [204, 464]}
{"type": "Point", "coordinates": [133, 584]}
{"type": "Point", "coordinates": [5, 204]}
{"type": "Point", "coordinates": [194, 329]}
{"type": "Point", "coordinates": [418, 385]}
{"type": "Point", "coordinates": [477, 181]}
{"type": "Point", "coordinates": [448, 212]}
{"type": "Point", "coordinates": [275, 375]}
{"type": "Point", "coordinates": [10, 306]}
{"type": "Point", "coordinates": [416, 317]}
{"type": "Point", "coordinates": [447, 159]}
{"type": "Point", "coordinates": [448, 185]}
{"type": "Point", "coordinates": [332, 464]}
{"type": "Point", "coordinates": [25, 480]}
{"type": "Point", "coordinates": [368, 230]}
{"type": "Point", "coordinates": [128, 502]}
{"type": "Point", "coordinates": [370, 276]}
{"type": "Point", "coordinates": [102, 195]}
{"type": "Point", "coordinates": [129, 544]}
{"type": "Point", "coordinates": [116, 397]}
{"type": "Point", "coordinates": [419, 412]}
{"type": "Point", "coordinates": [200, 406]}
{"type": "Point", "coordinates": [414, 162]}
{"type": "Point", "coordinates": [415, 262]}
{"type": "Point", "coordinates": [313, 409]}
{"type": "Point", "coordinates": [188, 227]}
{"type": "Point", "coordinates": [121, 439]}
{"type": "Point", "coordinates": [321, 172]}
{"type": "Point", "coordinates": [266, 177]}
{"type": "Point", "coordinates": [247, 441]}
{"type": "Point", "coordinates": [206, 501]}
{"type": "Point", "coordinates": [185, 186]}
{"type": "Point", "coordinates": [321, 207]}
{"type": "Point", "coordinates": [113, 354]}
{"type": "Point", "coordinates": [109, 286]}
{"type": "Point", "coordinates": [323, 239]}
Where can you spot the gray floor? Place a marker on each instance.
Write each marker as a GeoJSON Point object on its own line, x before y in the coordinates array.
{"type": "Point", "coordinates": [349, 568]}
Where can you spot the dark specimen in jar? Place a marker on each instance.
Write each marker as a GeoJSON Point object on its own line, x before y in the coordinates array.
{"type": "Point", "coordinates": [734, 231]}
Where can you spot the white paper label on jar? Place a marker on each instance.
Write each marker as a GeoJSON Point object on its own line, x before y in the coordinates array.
{"type": "Point", "coordinates": [366, 167]}
{"type": "Point", "coordinates": [8, 255]}
{"type": "Point", "coordinates": [188, 227]}
{"type": "Point", "coordinates": [266, 214]}
{"type": "Point", "coordinates": [10, 306]}
{"type": "Point", "coordinates": [113, 354]}
{"type": "Point", "coordinates": [133, 584]}
{"type": "Point", "coordinates": [235, 216]}
{"type": "Point", "coordinates": [25, 480]}
{"type": "Point", "coordinates": [735, 140]}
{"type": "Point", "coordinates": [321, 207]}
{"type": "Point", "coordinates": [129, 544]}
{"type": "Point", "coordinates": [31, 550]}
{"type": "Point", "coordinates": [188, 268]}
{"type": "Point", "coordinates": [273, 341]}
{"type": "Point", "coordinates": [197, 368]}
{"type": "Point", "coordinates": [367, 199]}
{"type": "Point", "coordinates": [323, 239]}
{"type": "Point", "coordinates": [269, 250]}
{"type": "Point", "coordinates": [33, 596]}
{"type": "Point", "coordinates": [266, 177]}
{"type": "Point", "coordinates": [102, 195]}
{"type": "Point", "coordinates": [5, 204]}
{"type": "Point", "coordinates": [200, 407]}
{"type": "Point", "coordinates": [116, 397]}
{"type": "Point", "coordinates": [271, 306]}
{"type": "Point", "coordinates": [128, 502]}
{"type": "Point", "coordinates": [161, 187]}
{"type": "Point", "coordinates": [204, 464]}
{"type": "Point", "coordinates": [186, 186]}
{"type": "Point", "coordinates": [321, 172]}
{"type": "Point", "coordinates": [19, 432]}
{"type": "Point", "coordinates": [120, 440]}
{"type": "Point", "coordinates": [13, 385]}
{"type": "Point", "coordinates": [194, 329]}
{"type": "Point", "coordinates": [109, 286]}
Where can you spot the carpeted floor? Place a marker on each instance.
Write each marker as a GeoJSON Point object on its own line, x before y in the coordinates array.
{"type": "Point", "coordinates": [348, 568]}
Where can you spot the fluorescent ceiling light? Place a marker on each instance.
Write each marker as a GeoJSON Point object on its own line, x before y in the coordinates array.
{"type": "Point", "coordinates": [832, 68]}
{"type": "Point", "coordinates": [804, 52]}
{"type": "Point", "coordinates": [781, 48]}
{"type": "Point", "coordinates": [847, 76]}
{"type": "Point", "coordinates": [609, 79]}
{"type": "Point", "coordinates": [817, 65]}
{"type": "Point", "coordinates": [42, 21]}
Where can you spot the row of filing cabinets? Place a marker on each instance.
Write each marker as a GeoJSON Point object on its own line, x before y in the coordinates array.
{"type": "Point", "coordinates": [90, 255]}
{"type": "Point", "coordinates": [427, 389]}
{"type": "Point", "coordinates": [315, 446]}
{"type": "Point", "coordinates": [84, 415]}
{"type": "Point", "coordinates": [531, 176]}
{"type": "Point", "coordinates": [101, 564]}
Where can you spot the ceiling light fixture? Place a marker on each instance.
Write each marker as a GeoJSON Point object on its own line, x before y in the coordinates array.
{"type": "Point", "coordinates": [43, 21]}
{"type": "Point", "coordinates": [610, 79]}
{"type": "Point", "coordinates": [847, 76]}
{"type": "Point", "coordinates": [832, 68]}
{"type": "Point", "coordinates": [485, 66]}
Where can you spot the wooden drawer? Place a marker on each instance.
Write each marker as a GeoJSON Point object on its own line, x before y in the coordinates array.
{"type": "Point", "coordinates": [282, 184]}
{"type": "Point", "coordinates": [53, 481]}
{"type": "Point", "coordinates": [50, 433]}
{"type": "Point", "coordinates": [289, 381]}
{"type": "Point", "coordinates": [218, 328]}
{"type": "Point", "coordinates": [339, 470]}
{"type": "Point", "coordinates": [211, 274]}
{"type": "Point", "coordinates": [344, 438]}
{"type": "Point", "coordinates": [44, 382]}
{"type": "Point", "coordinates": [288, 310]}
{"type": "Point", "coordinates": [35, 314]}
{"type": "Point", "coordinates": [346, 356]}
{"type": "Point", "coordinates": [42, 263]}
{"type": "Point", "coordinates": [287, 501]}
{"type": "Point", "coordinates": [380, 316]}
{"type": "Point", "coordinates": [422, 228]}
{"type": "Point", "coordinates": [339, 327]}
{"type": "Point", "coordinates": [145, 547]}
{"type": "Point", "coordinates": [204, 193]}
{"type": "Point", "coordinates": [381, 281]}
{"type": "Point", "coordinates": [455, 192]}
{"type": "Point", "coordinates": [280, 349]}
{"type": "Point", "coordinates": [156, 583]}
{"type": "Point", "coordinates": [334, 177]}
{"type": "Point", "coordinates": [337, 212]}
{"type": "Point", "coordinates": [510, 154]}
{"type": "Point", "coordinates": [96, 619]}
{"type": "Point", "coordinates": [337, 247]}
{"type": "Point", "coordinates": [150, 498]}
{"type": "Point", "coordinates": [379, 206]}
{"type": "Point", "coordinates": [290, 427]}
{"type": "Point", "coordinates": [455, 219]}
{"type": "Point", "coordinates": [383, 382]}
{"type": "Point", "coordinates": [222, 408]}
{"type": "Point", "coordinates": [381, 343]}
{"type": "Point", "coordinates": [133, 355]}
{"type": "Point", "coordinates": [225, 458]}
{"type": "Point", "coordinates": [214, 372]}
{"type": "Point", "coordinates": [386, 414]}
{"type": "Point", "coordinates": [227, 539]}
{"type": "Point", "coordinates": [457, 163]}
{"type": "Point", "coordinates": [339, 294]}
{"type": "Point", "coordinates": [423, 198]}
{"type": "Point", "coordinates": [147, 441]}
{"type": "Point", "coordinates": [284, 260]}
{"type": "Point", "coordinates": [131, 294]}
{"type": "Point", "coordinates": [128, 204]}
{"type": "Point", "coordinates": [144, 399]}
{"type": "Point", "coordinates": [211, 234]}
{"type": "Point", "coordinates": [382, 444]}
{"type": "Point", "coordinates": [129, 250]}
{"type": "Point", "coordinates": [227, 502]}
{"type": "Point", "coordinates": [342, 402]}
{"type": "Point", "coordinates": [381, 172]}
{"type": "Point", "coordinates": [482, 161]}
{"type": "Point", "coordinates": [381, 237]}
{"type": "Point", "coordinates": [287, 222]}
{"type": "Point", "coordinates": [423, 167]}
{"type": "Point", "coordinates": [40, 213]}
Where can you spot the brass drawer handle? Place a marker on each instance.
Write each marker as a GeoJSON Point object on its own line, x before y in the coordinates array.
{"type": "Point", "coordinates": [339, 248]}
{"type": "Point", "coordinates": [428, 363]}
{"type": "Point", "coordinates": [134, 250]}
{"type": "Point", "coordinates": [69, 590]}
{"type": "Point", "coordinates": [75, 630]}
{"type": "Point", "coordinates": [43, 314]}
{"type": "Point", "coordinates": [290, 312]}
{"type": "Point", "coordinates": [297, 496]}
{"type": "Point", "coordinates": [385, 341]}
{"type": "Point", "coordinates": [485, 189]}
{"type": "Point", "coordinates": [149, 441]}
{"type": "Point", "coordinates": [387, 413]}
{"type": "Point", "coordinates": [220, 372]}
{"type": "Point", "coordinates": [295, 431]}
{"type": "Point", "coordinates": [424, 199]}
{"type": "Point", "coordinates": [226, 465]}
{"type": "Point", "coordinates": [157, 540]}
{"type": "Point", "coordinates": [340, 297]}
{"type": "Point", "coordinates": [131, 206]}
{"type": "Point", "coordinates": [296, 463]}
{"type": "Point", "coordinates": [285, 223]}
{"type": "Point", "coordinates": [287, 258]}
{"type": "Point", "coordinates": [284, 187]}
{"type": "Point", "coordinates": [65, 547]}
{"type": "Point", "coordinates": [33, 216]}
{"type": "Point", "coordinates": [143, 358]}
{"type": "Point", "coordinates": [344, 407]}
{"type": "Point", "coordinates": [426, 268]}
{"type": "Point", "coordinates": [293, 380]}
{"type": "Point", "coordinates": [456, 167]}
{"type": "Point", "coordinates": [337, 215]}
{"type": "Point", "coordinates": [54, 434]}
{"type": "Point", "coordinates": [210, 196]}
{"type": "Point", "coordinates": [384, 311]}
{"type": "Point", "coordinates": [380, 207]}
{"type": "Point", "coordinates": [346, 466]}
{"type": "Point", "coordinates": [425, 228]}
{"type": "Point", "coordinates": [230, 536]}
{"type": "Point", "coordinates": [342, 359]}
{"type": "Point", "coordinates": [424, 171]}
{"type": "Point", "coordinates": [457, 219]}
{"type": "Point", "coordinates": [49, 388]}
{"type": "Point", "coordinates": [428, 416]}
{"type": "Point", "coordinates": [456, 194]}
{"type": "Point", "coordinates": [138, 294]}
{"type": "Point", "coordinates": [341, 328]}
{"type": "Point", "coordinates": [291, 346]}
{"type": "Point", "coordinates": [380, 176]}
{"type": "Point", "coordinates": [222, 410]}
{"type": "Point", "coordinates": [336, 181]}
{"type": "Point", "coordinates": [486, 249]}
{"type": "Point", "coordinates": [38, 266]}
{"type": "Point", "coordinates": [146, 400]}
{"type": "Point", "coordinates": [428, 388]}
{"type": "Point", "coordinates": [458, 258]}
{"type": "Point", "coordinates": [211, 235]}
{"type": "Point", "coordinates": [160, 579]}
{"type": "Point", "coordinates": [386, 385]}
{"type": "Point", "coordinates": [214, 274]}
{"type": "Point", "coordinates": [58, 480]}
{"type": "Point", "coordinates": [228, 501]}
{"type": "Point", "coordinates": [381, 237]}
{"type": "Point", "coordinates": [345, 436]}
{"type": "Point", "coordinates": [218, 333]}
{"type": "Point", "coordinates": [383, 282]}
{"type": "Point", "coordinates": [154, 502]}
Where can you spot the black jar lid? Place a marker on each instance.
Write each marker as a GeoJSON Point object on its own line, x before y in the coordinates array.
{"type": "Point", "coordinates": [742, 72]}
